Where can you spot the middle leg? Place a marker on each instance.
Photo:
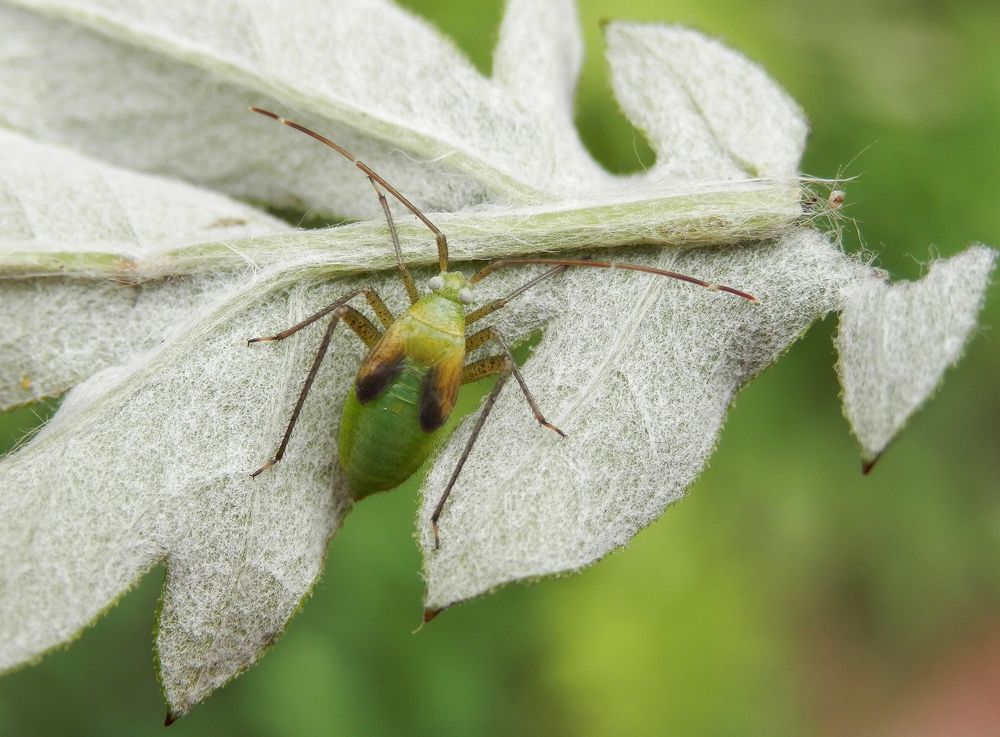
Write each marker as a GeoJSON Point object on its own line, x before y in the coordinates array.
{"type": "Point", "coordinates": [499, 364]}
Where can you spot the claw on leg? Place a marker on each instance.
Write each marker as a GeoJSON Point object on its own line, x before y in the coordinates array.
{"type": "Point", "coordinates": [263, 468]}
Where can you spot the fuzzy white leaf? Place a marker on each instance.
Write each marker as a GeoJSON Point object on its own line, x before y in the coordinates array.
{"type": "Point", "coordinates": [538, 60]}
{"type": "Point", "coordinates": [895, 342]}
{"type": "Point", "coordinates": [708, 112]}
{"type": "Point", "coordinates": [53, 203]}
{"type": "Point", "coordinates": [189, 69]}
{"type": "Point", "coordinates": [150, 463]}
{"type": "Point", "coordinates": [148, 459]}
{"type": "Point", "coordinates": [199, 66]}
{"type": "Point", "coordinates": [641, 387]}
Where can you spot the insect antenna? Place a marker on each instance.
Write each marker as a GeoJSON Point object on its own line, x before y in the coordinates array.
{"type": "Point", "coordinates": [440, 238]}
{"type": "Point", "coordinates": [500, 263]}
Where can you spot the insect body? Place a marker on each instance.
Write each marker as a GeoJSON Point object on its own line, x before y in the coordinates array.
{"type": "Point", "coordinates": [406, 387]}
{"type": "Point", "coordinates": [404, 392]}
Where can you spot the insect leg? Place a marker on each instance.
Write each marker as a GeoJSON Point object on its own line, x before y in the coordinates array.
{"type": "Point", "coordinates": [439, 237]}
{"type": "Point", "coordinates": [365, 330]}
{"type": "Point", "coordinates": [382, 312]}
{"type": "Point", "coordinates": [504, 366]}
{"type": "Point", "coordinates": [491, 307]}
{"type": "Point", "coordinates": [490, 401]}
{"type": "Point", "coordinates": [497, 365]}
{"type": "Point", "coordinates": [500, 263]}
{"type": "Point", "coordinates": [374, 300]}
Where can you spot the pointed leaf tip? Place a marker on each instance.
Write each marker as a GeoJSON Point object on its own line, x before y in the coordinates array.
{"type": "Point", "coordinates": [895, 342]}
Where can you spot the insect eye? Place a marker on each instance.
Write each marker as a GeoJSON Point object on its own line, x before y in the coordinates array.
{"type": "Point", "coordinates": [465, 296]}
{"type": "Point", "coordinates": [435, 282]}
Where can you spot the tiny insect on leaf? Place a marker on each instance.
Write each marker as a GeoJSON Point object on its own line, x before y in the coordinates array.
{"type": "Point", "coordinates": [131, 279]}
{"type": "Point", "coordinates": [415, 367]}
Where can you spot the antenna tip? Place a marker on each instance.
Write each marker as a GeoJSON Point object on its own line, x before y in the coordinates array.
{"type": "Point", "coordinates": [262, 111]}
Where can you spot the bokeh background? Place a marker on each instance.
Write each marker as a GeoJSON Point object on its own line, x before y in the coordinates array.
{"type": "Point", "coordinates": [787, 595]}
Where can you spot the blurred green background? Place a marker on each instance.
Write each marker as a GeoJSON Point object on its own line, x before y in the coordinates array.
{"type": "Point", "coordinates": [787, 595]}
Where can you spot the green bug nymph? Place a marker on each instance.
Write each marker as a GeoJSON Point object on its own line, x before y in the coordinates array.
{"type": "Point", "coordinates": [406, 387]}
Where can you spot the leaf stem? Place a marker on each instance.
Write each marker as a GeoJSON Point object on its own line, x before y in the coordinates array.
{"type": "Point", "coordinates": [723, 214]}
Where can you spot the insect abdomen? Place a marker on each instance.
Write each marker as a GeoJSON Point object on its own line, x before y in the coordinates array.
{"type": "Point", "coordinates": [381, 442]}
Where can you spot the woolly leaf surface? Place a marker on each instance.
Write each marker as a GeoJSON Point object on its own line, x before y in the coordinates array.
{"type": "Point", "coordinates": [142, 291]}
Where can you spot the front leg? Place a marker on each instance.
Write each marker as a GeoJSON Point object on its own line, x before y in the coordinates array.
{"type": "Point", "coordinates": [363, 328]}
